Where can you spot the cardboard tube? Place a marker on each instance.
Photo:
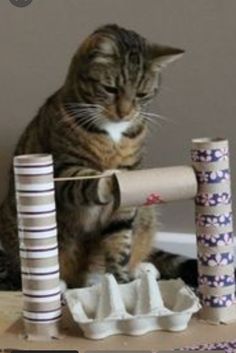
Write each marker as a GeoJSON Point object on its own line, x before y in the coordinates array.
{"type": "Point", "coordinates": [214, 230]}
{"type": "Point", "coordinates": [153, 186]}
{"type": "Point", "coordinates": [36, 214]}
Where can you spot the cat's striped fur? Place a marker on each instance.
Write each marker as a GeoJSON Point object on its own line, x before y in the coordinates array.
{"type": "Point", "coordinates": [94, 122]}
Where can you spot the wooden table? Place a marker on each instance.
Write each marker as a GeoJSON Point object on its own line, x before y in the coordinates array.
{"type": "Point", "coordinates": [11, 329]}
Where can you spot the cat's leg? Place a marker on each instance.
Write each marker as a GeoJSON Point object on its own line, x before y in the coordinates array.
{"type": "Point", "coordinates": [117, 244]}
{"type": "Point", "coordinates": [144, 228]}
{"type": "Point", "coordinates": [96, 266]}
{"type": "Point", "coordinates": [168, 265]}
{"type": "Point", "coordinates": [111, 255]}
{"type": "Point", "coordinates": [85, 206]}
{"type": "Point", "coordinates": [128, 240]}
{"type": "Point", "coordinates": [117, 249]}
{"type": "Point", "coordinates": [73, 263]}
{"type": "Point", "coordinates": [84, 192]}
{"type": "Point", "coordinates": [81, 264]}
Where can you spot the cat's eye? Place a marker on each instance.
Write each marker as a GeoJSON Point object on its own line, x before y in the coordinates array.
{"type": "Point", "coordinates": [111, 89]}
{"type": "Point", "coordinates": [141, 95]}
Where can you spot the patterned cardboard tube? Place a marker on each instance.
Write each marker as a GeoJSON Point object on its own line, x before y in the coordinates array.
{"type": "Point", "coordinates": [37, 230]}
{"type": "Point", "coordinates": [214, 228]}
{"type": "Point", "coordinates": [153, 186]}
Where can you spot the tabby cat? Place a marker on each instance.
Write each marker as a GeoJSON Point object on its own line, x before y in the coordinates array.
{"type": "Point", "coordinates": [96, 121]}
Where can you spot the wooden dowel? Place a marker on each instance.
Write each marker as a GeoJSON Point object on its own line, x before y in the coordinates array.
{"type": "Point", "coordinates": [87, 177]}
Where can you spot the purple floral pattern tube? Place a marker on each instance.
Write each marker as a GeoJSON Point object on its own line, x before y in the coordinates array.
{"type": "Point", "coordinates": [210, 159]}
{"type": "Point", "coordinates": [216, 281]}
{"type": "Point", "coordinates": [218, 302]}
{"type": "Point", "coordinates": [225, 347]}
{"type": "Point", "coordinates": [222, 239]}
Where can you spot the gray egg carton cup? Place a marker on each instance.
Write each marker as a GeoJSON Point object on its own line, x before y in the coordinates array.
{"type": "Point", "coordinates": [135, 308]}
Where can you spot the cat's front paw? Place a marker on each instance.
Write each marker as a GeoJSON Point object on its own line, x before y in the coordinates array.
{"type": "Point", "coordinates": [107, 191]}
{"type": "Point", "coordinates": [103, 190]}
{"type": "Point", "coordinates": [93, 279]}
{"type": "Point", "coordinates": [146, 267]}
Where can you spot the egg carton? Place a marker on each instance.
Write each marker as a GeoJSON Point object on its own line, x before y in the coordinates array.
{"type": "Point", "coordinates": [135, 308]}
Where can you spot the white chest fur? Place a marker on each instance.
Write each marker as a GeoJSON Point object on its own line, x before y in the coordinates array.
{"type": "Point", "coordinates": [115, 130]}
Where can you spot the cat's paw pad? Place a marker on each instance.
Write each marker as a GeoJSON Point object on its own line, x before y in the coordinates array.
{"type": "Point", "coordinates": [145, 267]}
{"type": "Point", "coordinates": [92, 279]}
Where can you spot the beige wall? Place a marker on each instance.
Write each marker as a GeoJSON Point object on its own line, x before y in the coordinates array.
{"type": "Point", "coordinates": [199, 92]}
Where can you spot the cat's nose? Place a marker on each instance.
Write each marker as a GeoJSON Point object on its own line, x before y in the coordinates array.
{"type": "Point", "coordinates": [124, 108]}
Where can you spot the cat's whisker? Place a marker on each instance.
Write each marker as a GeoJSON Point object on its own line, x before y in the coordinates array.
{"type": "Point", "coordinates": [79, 104]}
{"type": "Point", "coordinates": [155, 115]}
{"type": "Point", "coordinates": [87, 110]}
{"type": "Point", "coordinates": [90, 123]}
{"type": "Point", "coordinates": [94, 122]}
{"type": "Point", "coordinates": [147, 117]}
{"type": "Point", "coordinates": [154, 122]}
{"type": "Point", "coordinates": [83, 115]}
{"type": "Point", "coordinates": [85, 119]}
{"type": "Point", "coordinates": [83, 109]}
{"type": "Point", "coordinates": [91, 120]}
{"type": "Point", "coordinates": [74, 118]}
{"type": "Point", "coordinates": [138, 118]}
{"type": "Point", "coordinates": [88, 120]}
{"type": "Point", "coordinates": [84, 106]}
{"type": "Point", "coordinates": [80, 113]}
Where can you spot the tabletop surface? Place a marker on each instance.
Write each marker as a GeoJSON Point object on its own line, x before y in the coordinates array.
{"type": "Point", "coordinates": [11, 329]}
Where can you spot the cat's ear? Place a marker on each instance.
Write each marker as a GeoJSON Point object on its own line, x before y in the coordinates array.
{"type": "Point", "coordinates": [160, 56]}
{"type": "Point", "coordinates": [105, 51]}
{"type": "Point", "coordinates": [98, 49]}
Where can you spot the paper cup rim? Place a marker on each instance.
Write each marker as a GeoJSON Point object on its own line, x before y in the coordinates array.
{"type": "Point", "coordinates": [210, 143]}
{"type": "Point", "coordinates": [209, 140]}
{"type": "Point", "coordinates": [40, 158]}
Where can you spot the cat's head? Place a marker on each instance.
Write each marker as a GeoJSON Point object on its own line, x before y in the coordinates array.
{"type": "Point", "coordinates": [117, 69]}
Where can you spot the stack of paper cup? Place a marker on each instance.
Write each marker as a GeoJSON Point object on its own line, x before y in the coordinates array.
{"type": "Point", "coordinates": [38, 245]}
{"type": "Point", "coordinates": [214, 229]}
